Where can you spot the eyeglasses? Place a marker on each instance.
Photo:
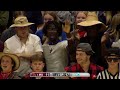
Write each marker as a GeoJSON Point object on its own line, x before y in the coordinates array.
{"type": "Point", "coordinates": [114, 59]}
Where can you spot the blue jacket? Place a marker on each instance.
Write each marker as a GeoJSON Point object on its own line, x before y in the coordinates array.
{"type": "Point", "coordinates": [40, 34]}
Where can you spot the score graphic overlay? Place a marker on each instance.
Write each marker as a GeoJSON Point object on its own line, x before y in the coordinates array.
{"type": "Point", "coordinates": [58, 74]}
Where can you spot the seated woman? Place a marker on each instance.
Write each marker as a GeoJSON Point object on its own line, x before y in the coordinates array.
{"type": "Point", "coordinates": [8, 64]}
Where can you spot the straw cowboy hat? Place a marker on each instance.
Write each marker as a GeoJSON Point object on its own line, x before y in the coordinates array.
{"type": "Point", "coordinates": [92, 19]}
{"type": "Point", "coordinates": [21, 21]}
{"type": "Point", "coordinates": [14, 57]}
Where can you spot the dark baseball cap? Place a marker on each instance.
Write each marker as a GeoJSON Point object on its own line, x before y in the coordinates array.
{"type": "Point", "coordinates": [85, 47]}
{"type": "Point", "coordinates": [114, 51]}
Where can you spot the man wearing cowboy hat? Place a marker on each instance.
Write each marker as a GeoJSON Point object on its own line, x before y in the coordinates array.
{"type": "Point", "coordinates": [95, 30]}
{"type": "Point", "coordinates": [25, 44]}
{"type": "Point", "coordinates": [8, 64]}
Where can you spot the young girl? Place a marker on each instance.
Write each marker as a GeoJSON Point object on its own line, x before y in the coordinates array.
{"type": "Point", "coordinates": [48, 16]}
{"type": "Point", "coordinates": [78, 33]}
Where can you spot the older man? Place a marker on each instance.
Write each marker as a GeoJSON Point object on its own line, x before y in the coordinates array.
{"type": "Point", "coordinates": [23, 43]}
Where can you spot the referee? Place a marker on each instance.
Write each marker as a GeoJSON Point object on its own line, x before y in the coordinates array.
{"type": "Point", "coordinates": [112, 58]}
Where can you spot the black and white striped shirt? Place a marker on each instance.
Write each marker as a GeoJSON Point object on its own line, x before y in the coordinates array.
{"type": "Point", "coordinates": [107, 75]}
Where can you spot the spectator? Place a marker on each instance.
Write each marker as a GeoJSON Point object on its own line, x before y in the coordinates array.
{"type": "Point", "coordinates": [25, 44]}
{"type": "Point", "coordinates": [8, 64]}
{"type": "Point", "coordinates": [9, 32]}
{"type": "Point", "coordinates": [33, 16]}
{"type": "Point", "coordinates": [95, 30]}
{"type": "Point", "coordinates": [84, 63]}
{"type": "Point", "coordinates": [78, 33]}
{"type": "Point", "coordinates": [49, 16]}
{"type": "Point", "coordinates": [37, 64]}
{"type": "Point", "coordinates": [111, 36]}
{"type": "Point", "coordinates": [54, 50]}
{"type": "Point", "coordinates": [112, 72]}
{"type": "Point", "coordinates": [4, 15]}
{"type": "Point", "coordinates": [36, 18]}
{"type": "Point", "coordinates": [69, 15]}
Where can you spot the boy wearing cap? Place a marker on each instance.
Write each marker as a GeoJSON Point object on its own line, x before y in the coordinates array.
{"type": "Point", "coordinates": [83, 54]}
{"type": "Point", "coordinates": [112, 58]}
{"type": "Point", "coordinates": [8, 64]}
{"type": "Point", "coordinates": [25, 44]}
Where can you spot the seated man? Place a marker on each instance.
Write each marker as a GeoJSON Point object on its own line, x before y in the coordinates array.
{"type": "Point", "coordinates": [83, 54]}
{"type": "Point", "coordinates": [25, 44]}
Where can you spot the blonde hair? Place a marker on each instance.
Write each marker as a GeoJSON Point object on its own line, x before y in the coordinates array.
{"type": "Point", "coordinates": [77, 12]}
{"type": "Point", "coordinates": [115, 21]}
{"type": "Point", "coordinates": [85, 12]}
{"type": "Point", "coordinates": [51, 13]}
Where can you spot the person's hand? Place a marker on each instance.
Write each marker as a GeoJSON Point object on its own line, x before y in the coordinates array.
{"type": "Point", "coordinates": [19, 54]}
{"type": "Point", "coordinates": [66, 28]}
{"type": "Point", "coordinates": [24, 55]}
{"type": "Point", "coordinates": [46, 40]}
{"type": "Point", "coordinates": [108, 17]}
{"type": "Point", "coordinates": [76, 34]}
{"type": "Point", "coordinates": [103, 39]}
